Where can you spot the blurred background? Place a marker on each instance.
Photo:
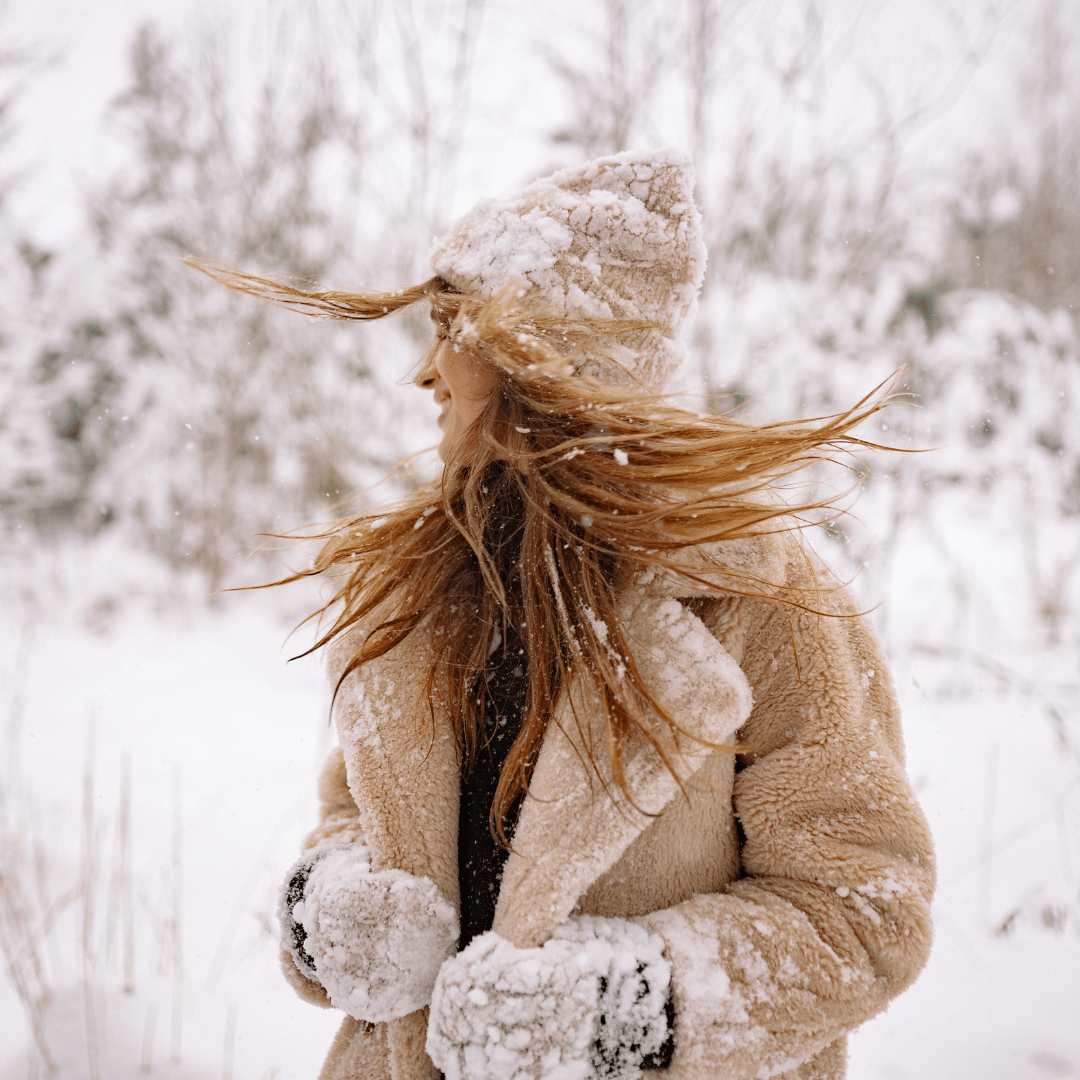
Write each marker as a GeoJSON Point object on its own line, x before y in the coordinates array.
{"type": "Point", "coordinates": [886, 187]}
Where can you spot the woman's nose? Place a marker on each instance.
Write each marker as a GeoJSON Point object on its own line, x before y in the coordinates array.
{"type": "Point", "coordinates": [427, 373]}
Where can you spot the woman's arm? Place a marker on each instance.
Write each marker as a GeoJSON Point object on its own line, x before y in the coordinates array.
{"type": "Point", "coordinates": [339, 820]}
{"type": "Point", "coordinates": [832, 916]}
{"type": "Point", "coordinates": [339, 826]}
{"type": "Point", "coordinates": [365, 941]}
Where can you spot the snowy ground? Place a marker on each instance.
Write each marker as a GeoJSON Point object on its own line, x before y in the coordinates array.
{"type": "Point", "coordinates": [222, 738]}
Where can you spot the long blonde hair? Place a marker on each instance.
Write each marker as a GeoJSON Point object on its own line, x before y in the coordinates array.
{"type": "Point", "coordinates": [601, 481]}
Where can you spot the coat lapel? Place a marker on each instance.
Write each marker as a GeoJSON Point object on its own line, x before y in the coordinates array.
{"type": "Point", "coordinates": [571, 831]}
{"type": "Point", "coordinates": [576, 823]}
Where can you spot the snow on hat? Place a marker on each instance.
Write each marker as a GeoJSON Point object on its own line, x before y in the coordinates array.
{"type": "Point", "coordinates": [618, 237]}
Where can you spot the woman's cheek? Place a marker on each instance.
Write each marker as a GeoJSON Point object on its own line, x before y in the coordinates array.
{"type": "Point", "coordinates": [470, 383]}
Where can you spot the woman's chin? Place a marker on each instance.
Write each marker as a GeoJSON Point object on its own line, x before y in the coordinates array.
{"type": "Point", "coordinates": [450, 434]}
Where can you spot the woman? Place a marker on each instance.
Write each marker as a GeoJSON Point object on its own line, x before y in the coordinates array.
{"type": "Point", "coordinates": [620, 784]}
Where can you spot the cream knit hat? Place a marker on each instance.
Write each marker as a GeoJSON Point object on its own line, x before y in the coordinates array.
{"type": "Point", "coordinates": [619, 237]}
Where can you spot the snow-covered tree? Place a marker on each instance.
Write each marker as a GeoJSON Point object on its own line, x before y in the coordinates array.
{"type": "Point", "coordinates": [197, 418]}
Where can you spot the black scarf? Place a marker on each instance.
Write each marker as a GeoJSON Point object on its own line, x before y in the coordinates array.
{"type": "Point", "coordinates": [505, 683]}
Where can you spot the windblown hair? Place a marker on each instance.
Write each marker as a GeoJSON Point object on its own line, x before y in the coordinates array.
{"type": "Point", "coordinates": [596, 483]}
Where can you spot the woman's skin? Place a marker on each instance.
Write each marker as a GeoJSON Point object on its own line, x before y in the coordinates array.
{"type": "Point", "coordinates": [462, 388]}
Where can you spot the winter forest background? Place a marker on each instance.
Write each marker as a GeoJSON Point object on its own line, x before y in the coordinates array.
{"type": "Point", "coordinates": [886, 186]}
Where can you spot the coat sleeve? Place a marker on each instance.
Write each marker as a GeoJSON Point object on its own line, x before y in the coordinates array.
{"type": "Point", "coordinates": [339, 819]}
{"type": "Point", "coordinates": [339, 824]}
{"type": "Point", "coordinates": [831, 916]}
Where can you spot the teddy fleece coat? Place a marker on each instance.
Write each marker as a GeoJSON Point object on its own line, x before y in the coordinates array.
{"type": "Point", "coordinates": [790, 881]}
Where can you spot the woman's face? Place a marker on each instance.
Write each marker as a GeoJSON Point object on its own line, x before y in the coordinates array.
{"type": "Point", "coordinates": [462, 387]}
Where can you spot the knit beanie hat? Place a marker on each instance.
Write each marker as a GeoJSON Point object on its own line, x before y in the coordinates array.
{"type": "Point", "coordinates": [618, 237]}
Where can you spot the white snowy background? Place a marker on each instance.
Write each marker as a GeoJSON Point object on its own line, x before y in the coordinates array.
{"type": "Point", "coordinates": [886, 185]}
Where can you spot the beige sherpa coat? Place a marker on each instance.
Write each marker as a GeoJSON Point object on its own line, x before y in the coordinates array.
{"type": "Point", "coordinates": [791, 882]}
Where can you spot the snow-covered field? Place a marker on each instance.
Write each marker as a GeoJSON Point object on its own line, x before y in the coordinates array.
{"type": "Point", "coordinates": [194, 730]}
{"type": "Point", "coordinates": [160, 773]}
